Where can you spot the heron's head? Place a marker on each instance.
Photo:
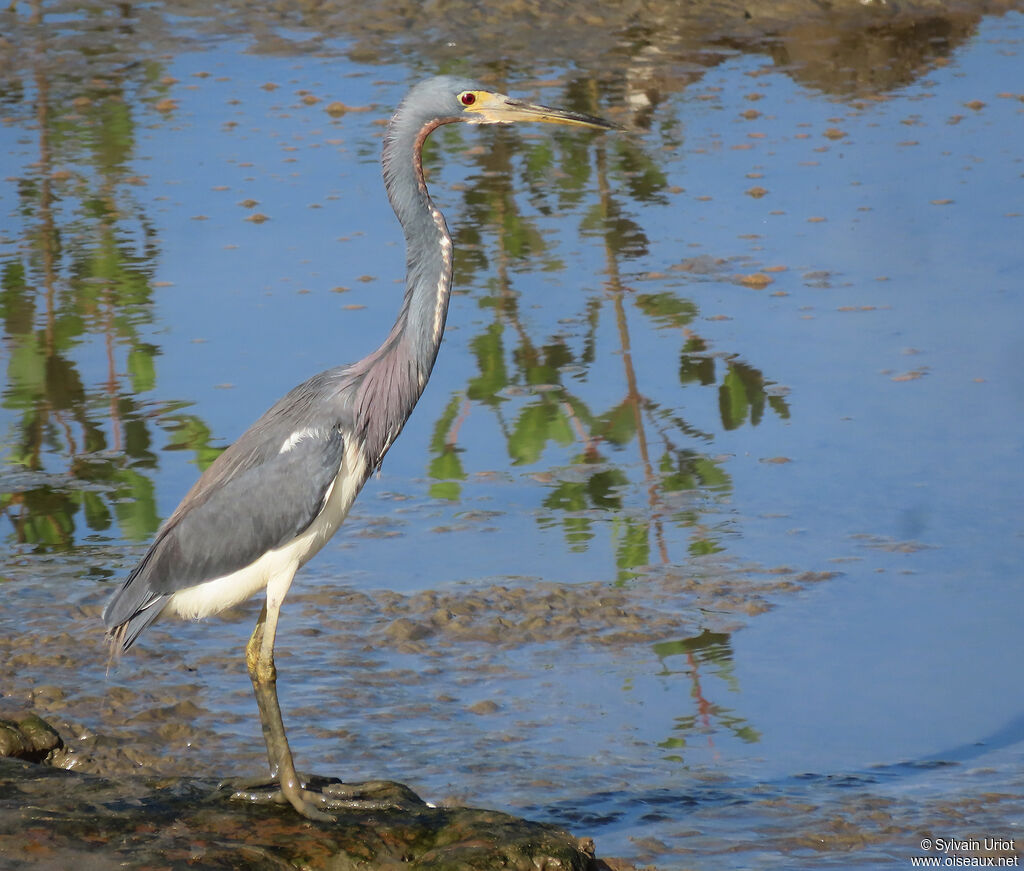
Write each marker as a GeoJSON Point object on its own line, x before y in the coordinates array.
{"type": "Point", "coordinates": [450, 98]}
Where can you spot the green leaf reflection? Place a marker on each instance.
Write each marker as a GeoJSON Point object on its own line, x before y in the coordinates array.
{"type": "Point", "coordinates": [636, 468]}
{"type": "Point", "coordinates": [707, 660]}
{"type": "Point", "coordinates": [80, 454]}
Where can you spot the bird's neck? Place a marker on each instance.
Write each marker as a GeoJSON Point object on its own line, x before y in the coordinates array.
{"type": "Point", "coordinates": [428, 246]}
{"type": "Point", "coordinates": [397, 371]}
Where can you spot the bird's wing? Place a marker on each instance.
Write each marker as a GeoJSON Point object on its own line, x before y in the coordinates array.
{"type": "Point", "coordinates": [257, 507]}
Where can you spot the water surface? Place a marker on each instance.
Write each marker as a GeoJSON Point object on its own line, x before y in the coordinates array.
{"type": "Point", "coordinates": [720, 460]}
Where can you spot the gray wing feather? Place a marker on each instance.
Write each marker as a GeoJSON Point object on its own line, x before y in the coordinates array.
{"type": "Point", "coordinates": [258, 510]}
{"type": "Point", "coordinates": [257, 506]}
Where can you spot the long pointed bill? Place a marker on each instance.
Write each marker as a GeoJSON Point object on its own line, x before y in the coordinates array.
{"type": "Point", "coordinates": [499, 109]}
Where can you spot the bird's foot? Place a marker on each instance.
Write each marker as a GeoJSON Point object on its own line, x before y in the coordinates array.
{"type": "Point", "coordinates": [314, 797]}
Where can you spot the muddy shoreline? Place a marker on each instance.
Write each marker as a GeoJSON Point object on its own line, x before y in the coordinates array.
{"type": "Point", "coordinates": [51, 818]}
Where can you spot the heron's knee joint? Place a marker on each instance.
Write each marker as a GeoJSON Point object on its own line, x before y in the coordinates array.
{"type": "Point", "coordinates": [263, 672]}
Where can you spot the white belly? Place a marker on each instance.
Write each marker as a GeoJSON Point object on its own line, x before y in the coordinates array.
{"type": "Point", "coordinates": [221, 593]}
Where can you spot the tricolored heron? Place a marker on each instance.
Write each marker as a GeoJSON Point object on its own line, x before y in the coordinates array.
{"type": "Point", "coordinates": [273, 499]}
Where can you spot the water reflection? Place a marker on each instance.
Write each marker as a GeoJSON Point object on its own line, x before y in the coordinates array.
{"type": "Point", "coordinates": [875, 55]}
{"type": "Point", "coordinates": [83, 277]}
{"type": "Point", "coordinates": [842, 47]}
{"type": "Point", "coordinates": [638, 464]}
{"type": "Point", "coordinates": [711, 651]}
{"type": "Point", "coordinates": [77, 283]}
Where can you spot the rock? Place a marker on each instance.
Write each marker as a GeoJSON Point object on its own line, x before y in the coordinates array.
{"type": "Point", "coordinates": [28, 737]}
{"type": "Point", "coordinates": [51, 818]}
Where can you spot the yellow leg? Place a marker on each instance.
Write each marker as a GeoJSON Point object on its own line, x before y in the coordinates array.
{"type": "Point", "coordinates": [259, 657]}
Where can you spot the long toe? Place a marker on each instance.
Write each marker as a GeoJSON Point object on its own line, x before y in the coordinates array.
{"type": "Point", "coordinates": [309, 803]}
{"type": "Point", "coordinates": [317, 796]}
{"type": "Point", "coordinates": [371, 795]}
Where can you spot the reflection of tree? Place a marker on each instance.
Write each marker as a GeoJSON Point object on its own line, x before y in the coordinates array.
{"type": "Point", "coordinates": [81, 278]}
{"type": "Point", "coordinates": [873, 54]}
{"type": "Point", "coordinates": [713, 651]}
{"type": "Point", "coordinates": [844, 47]}
{"type": "Point", "coordinates": [672, 471]}
{"type": "Point", "coordinates": [446, 465]}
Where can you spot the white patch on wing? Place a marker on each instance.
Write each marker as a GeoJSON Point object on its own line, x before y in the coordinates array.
{"type": "Point", "coordinates": [212, 597]}
{"type": "Point", "coordinates": [299, 435]}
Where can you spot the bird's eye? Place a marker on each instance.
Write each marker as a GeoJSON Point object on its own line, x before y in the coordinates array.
{"type": "Point", "coordinates": [467, 98]}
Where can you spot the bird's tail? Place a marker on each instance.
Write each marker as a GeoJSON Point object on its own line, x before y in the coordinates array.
{"type": "Point", "coordinates": [122, 635]}
{"type": "Point", "coordinates": [131, 609]}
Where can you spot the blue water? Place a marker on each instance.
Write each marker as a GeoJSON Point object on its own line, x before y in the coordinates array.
{"type": "Point", "coordinates": [888, 455]}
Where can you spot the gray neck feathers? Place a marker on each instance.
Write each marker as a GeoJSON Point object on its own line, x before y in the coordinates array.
{"type": "Point", "coordinates": [395, 374]}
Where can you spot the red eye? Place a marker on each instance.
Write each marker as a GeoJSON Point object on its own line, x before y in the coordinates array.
{"type": "Point", "coordinates": [468, 98]}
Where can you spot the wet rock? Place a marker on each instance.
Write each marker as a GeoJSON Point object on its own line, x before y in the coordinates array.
{"type": "Point", "coordinates": [51, 817]}
{"type": "Point", "coordinates": [28, 737]}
